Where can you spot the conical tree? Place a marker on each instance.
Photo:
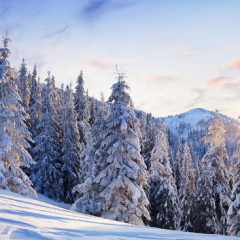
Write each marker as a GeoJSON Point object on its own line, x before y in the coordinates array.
{"type": "Point", "coordinates": [81, 107]}
{"type": "Point", "coordinates": [121, 169]}
{"type": "Point", "coordinates": [213, 193]}
{"type": "Point", "coordinates": [47, 152]}
{"type": "Point", "coordinates": [187, 190]}
{"type": "Point", "coordinates": [14, 135]}
{"type": "Point", "coordinates": [24, 85]}
{"type": "Point", "coordinates": [234, 209]}
{"type": "Point", "coordinates": [163, 193]}
{"type": "Point", "coordinates": [70, 148]}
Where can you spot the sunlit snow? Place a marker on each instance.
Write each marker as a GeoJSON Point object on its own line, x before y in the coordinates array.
{"type": "Point", "coordinates": [33, 218]}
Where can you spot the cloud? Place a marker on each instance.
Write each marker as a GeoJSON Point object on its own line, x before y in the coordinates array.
{"type": "Point", "coordinates": [96, 8]}
{"type": "Point", "coordinates": [158, 79]}
{"type": "Point", "coordinates": [200, 51]}
{"type": "Point", "coordinates": [110, 62]}
{"type": "Point", "coordinates": [57, 32]}
{"type": "Point", "coordinates": [215, 81]}
{"type": "Point", "coordinates": [234, 64]}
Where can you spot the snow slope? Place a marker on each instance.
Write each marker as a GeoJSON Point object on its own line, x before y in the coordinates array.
{"type": "Point", "coordinates": [190, 120]}
{"type": "Point", "coordinates": [27, 218]}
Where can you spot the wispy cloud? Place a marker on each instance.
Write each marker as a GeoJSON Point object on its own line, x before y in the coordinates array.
{"type": "Point", "coordinates": [110, 62]}
{"type": "Point", "coordinates": [234, 64]}
{"type": "Point", "coordinates": [57, 31]}
{"type": "Point", "coordinates": [200, 51]}
{"type": "Point", "coordinates": [97, 8]}
{"type": "Point", "coordinates": [158, 79]}
{"type": "Point", "coordinates": [216, 81]}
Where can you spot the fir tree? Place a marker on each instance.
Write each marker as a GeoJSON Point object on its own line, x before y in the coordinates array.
{"type": "Point", "coordinates": [47, 152]}
{"type": "Point", "coordinates": [121, 173]}
{"type": "Point", "coordinates": [213, 193]}
{"type": "Point", "coordinates": [70, 147]}
{"type": "Point", "coordinates": [234, 209]}
{"type": "Point", "coordinates": [14, 135]}
{"type": "Point", "coordinates": [81, 107]}
{"type": "Point", "coordinates": [24, 85]}
{"type": "Point", "coordinates": [187, 190]}
{"type": "Point", "coordinates": [163, 195]}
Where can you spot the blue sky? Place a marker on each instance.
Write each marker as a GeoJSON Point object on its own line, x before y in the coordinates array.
{"type": "Point", "coordinates": [178, 54]}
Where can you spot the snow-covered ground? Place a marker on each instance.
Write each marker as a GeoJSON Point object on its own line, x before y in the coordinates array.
{"type": "Point", "coordinates": [23, 218]}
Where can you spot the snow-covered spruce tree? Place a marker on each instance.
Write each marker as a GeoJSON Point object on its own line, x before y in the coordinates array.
{"type": "Point", "coordinates": [81, 107]}
{"type": "Point", "coordinates": [187, 190]}
{"type": "Point", "coordinates": [213, 190]}
{"type": "Point", "coordinates": [142, 116]}
{"type": "Point", "coordinates": [14, 135]}
{"type": "Point", "coordinates": [70, 147]}
{"type": "Point", "coordinates": [149, 140]}
{"type": "Point", "coordinates": [122, 173]}
{"type": "Point", "coordinates": [35, 108]}
{"type": "Point", "coordinates": [87, 201]}
{"type": "Point", "coordinates": [177, 162]}
{"type": "Point", "coordinates": [24, 85]}
{"type": "Point", "coordinates": [47, 151]}
{"type": "Point", "coordinates": [234, 209]}
{"type": "Point", "coordinates": [34, 82]}
{"type": "Point", "coordinates": [163, 193]}
{"type": "Point", "coordinates": [101, 115]}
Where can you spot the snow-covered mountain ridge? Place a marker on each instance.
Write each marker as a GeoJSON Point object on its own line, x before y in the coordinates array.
{"type": "Point", "coordinates": [192, 119]}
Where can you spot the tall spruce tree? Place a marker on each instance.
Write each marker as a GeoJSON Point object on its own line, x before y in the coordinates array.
{"type": "Point", "coordinates": [121, 169]}
{"type": "Point", "coordinates": [70, 148]}
{"type": "Point", "coordinates": [47, 152]}
{"type": "Point", "coordinates": [24, 85]}
{"type": "Point", "coordinates": [14, 135]}
{"type": "Point", "coordinates": [213, 189]}
{"type": "Point", "coordinates": [163, 193]}
{"type": "Point", "coordinates": [83, 116]}
{"type": "Point", "coordinates": [234, 209]}
{"type": "Point", "coordinates": [187, 190]}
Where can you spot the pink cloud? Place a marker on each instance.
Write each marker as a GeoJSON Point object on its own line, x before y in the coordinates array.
{"type": "Point", "coordinates": [234, 64]}
{"type": "Point", "coordinates": [110, 62]}
{"type": "Point", "coordinates": [215, 81]}
{"type": "Point", "coordinates": [157, 79]}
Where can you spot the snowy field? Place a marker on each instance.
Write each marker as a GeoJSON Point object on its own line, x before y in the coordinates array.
{"type": "Point", "coordinates": [25, 218]}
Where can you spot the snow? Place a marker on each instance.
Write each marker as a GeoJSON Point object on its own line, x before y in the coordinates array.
{"type": "Point", "coordinates": [34, 218]}
{"type": "Point", "coordinates": [190, 119]}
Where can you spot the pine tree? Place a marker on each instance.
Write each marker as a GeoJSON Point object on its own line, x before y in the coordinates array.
{"type": "Point", "coordinates": [14, 135]}
{"type": "Point", "coordinates": [213, 193]}
{"type": "Point", "coordinates": [187, 190]}
{"type": "Point", "coordinates": [47, 152]}
{"type": "Point", "coordinates": [70, 148]}
{"type": "Point", "coordinates": [121, 170]}
{"type": "Point", "coordinates": [163, 194]}
{"type": "Point", "coordinates": [234, 209]}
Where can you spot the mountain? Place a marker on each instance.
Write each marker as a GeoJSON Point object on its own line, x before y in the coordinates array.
{"type": "Point", "coordinates": [28, 218]}
{"type": "Point", "coordinates": [193, 127]}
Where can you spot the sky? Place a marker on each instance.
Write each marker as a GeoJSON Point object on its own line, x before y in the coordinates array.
{"type": "Point", "coordinates": [177, 55]}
